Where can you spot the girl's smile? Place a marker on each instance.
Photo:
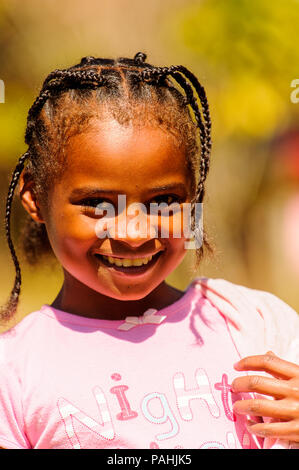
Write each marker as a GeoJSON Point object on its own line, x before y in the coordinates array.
{"type": "Point", "coordinates": [145, 164]}
{"type": "Point", "coordinates": [135, 266]}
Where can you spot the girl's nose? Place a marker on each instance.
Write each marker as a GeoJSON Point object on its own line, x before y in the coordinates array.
{"type": "Point", "coordinates": [134, 229]}
{"type": "Point", "coordinates": [133, 225]}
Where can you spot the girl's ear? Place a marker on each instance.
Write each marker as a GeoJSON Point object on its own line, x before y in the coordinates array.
{"type": "Point", "coordinates": [28, 197]}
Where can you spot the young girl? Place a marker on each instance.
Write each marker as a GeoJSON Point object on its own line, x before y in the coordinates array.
{"type": "Point", "coordinates": [121, 359]}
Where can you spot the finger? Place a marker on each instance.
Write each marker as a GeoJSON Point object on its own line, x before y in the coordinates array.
{"type": "Point", "coordinates": [269, 363]}
{"type": "Point", "coordinates": [278, 409]}
{"type": "Point", "coordinates": [287, 430]}
{"type": "Point", "coordinates": [267, 386]}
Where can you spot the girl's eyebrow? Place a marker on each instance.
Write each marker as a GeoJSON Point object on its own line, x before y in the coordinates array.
{"type": "Point", "coordinates": [90, 190]}
{"type": "Point", "coordinates": [168, 187]}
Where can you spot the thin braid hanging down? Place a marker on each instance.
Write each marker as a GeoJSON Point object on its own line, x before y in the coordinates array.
{"type": "Point", "coordinates": [13, 300]}
{"type": "Point", "coordinates": [109, 76]}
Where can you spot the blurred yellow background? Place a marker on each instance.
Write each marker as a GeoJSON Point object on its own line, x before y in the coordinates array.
{"type": "Point", "coordinates": [245, 53]}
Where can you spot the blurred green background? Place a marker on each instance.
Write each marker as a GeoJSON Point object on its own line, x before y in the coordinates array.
{"type": "Point", "coordinates": [245, 53]}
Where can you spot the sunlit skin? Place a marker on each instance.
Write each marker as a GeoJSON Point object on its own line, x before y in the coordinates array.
{"type": "Point", "coordinates": [132, 161]}
{"type": "Point", "coordinates": [128, 160]}
{"type": "Point", "coordinates": [283, 386]}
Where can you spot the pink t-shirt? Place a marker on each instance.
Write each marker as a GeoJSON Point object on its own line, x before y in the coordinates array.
{"type": "Point", "coordinates": [160, 381]}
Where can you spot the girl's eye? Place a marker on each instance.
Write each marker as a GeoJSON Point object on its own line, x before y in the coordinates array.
{"type": "Point", "coordinates": [168, 198]}
{"type": "Point", "coordinates": [96, 207]}
{"type": "Point", "coordinates": [94, 202]}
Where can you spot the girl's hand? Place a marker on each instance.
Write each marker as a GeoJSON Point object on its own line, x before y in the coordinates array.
{"type": "Point", "coordinates": [284, 388]}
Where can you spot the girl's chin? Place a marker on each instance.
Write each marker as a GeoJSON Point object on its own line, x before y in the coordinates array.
{"type": "Point", "coordinates": [126, 291]}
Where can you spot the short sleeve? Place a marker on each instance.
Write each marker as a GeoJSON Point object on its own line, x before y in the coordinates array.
{"type": "Point", "coordinates": [281, 326]}
{"type": "Point", "coordinates": [12, 434]}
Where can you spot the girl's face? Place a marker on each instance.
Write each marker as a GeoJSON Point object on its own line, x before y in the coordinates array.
{"type": "Point", "coordinates": [146, 166]}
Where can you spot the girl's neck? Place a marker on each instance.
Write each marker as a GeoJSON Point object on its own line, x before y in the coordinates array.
{"type": "Point", "coordinates": [78, 299]}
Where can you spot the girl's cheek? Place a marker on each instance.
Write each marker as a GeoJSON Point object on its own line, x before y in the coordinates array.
{"type": "Point", "coordinates": [73, 233]}
{"type": "Point", "coordinates": [84, 229]}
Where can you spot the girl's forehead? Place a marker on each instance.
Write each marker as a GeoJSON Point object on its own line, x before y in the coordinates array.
{"type": "Point", "coordinates": [109, 148]}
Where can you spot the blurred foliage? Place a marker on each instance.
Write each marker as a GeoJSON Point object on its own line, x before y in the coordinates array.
{"type": "Point", "coordinates": [245, 54]}
{"type": "Point", "coordinates": [12, 123]}
{"type": "Point", "coordinates": [248, 50]}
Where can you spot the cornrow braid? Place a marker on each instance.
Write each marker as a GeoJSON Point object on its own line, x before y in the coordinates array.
{"type": "Point", "coordinates": [139, 58]}
{"type": "Point", "coordinates": [61, 80]}
{"type": "Point", "coordinates": [203, 135]}
{"type": "Point", "coordinates": [120, 79]}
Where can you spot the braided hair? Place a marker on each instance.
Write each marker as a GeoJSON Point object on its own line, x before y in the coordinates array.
{"type": "Point", "coordinates": [121, 87]}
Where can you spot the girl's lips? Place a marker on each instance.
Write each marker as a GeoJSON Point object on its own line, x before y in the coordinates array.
{"type": "Point", "coordinates": [130, 270]}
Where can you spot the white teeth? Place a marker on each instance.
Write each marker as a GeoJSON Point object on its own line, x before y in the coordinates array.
{"type": "Point", "coordinates": [126, 262]}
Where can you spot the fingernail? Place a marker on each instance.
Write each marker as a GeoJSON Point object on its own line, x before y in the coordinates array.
{"type": "Point", "coordinates": [249, 423]}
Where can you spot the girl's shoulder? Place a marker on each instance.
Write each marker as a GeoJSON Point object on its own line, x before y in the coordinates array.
{"type": "Point", "coordinates": [22, 334]}
{"type": "Point", "coordinates": [256, 317]}
{"type": "Point", "coordinates": [242, 299]}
